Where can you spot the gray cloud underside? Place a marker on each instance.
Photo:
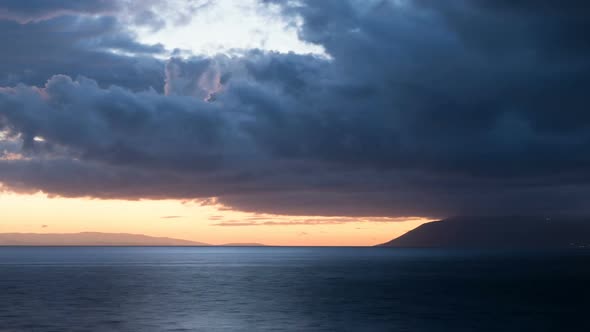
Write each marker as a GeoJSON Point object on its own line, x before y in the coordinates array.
{"type": "Point", "coordinates": [427, 108]}
{"type": "Point", "coordinates": [77, 46]}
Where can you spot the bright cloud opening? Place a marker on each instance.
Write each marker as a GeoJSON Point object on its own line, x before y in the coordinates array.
{"type": "Point", "coordinates": [210, 28]}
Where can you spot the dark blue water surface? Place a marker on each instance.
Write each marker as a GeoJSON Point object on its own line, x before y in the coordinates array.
{"type": "Point", "coordinates": [291, 289]}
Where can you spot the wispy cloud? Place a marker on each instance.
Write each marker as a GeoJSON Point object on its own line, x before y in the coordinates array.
{"type": "Point", "coordinates": [171, 217]}
{"type": "Point", "coordinates": [267, 221]}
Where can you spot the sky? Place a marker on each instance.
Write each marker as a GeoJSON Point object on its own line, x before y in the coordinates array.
{"type": "Point", "coordinates": [336, 122]}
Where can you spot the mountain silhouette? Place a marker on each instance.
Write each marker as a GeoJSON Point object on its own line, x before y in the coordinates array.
{"type": "Point", "coordinates": [498, 232]}
{"type": "Point", "coordinates": [90, 239]}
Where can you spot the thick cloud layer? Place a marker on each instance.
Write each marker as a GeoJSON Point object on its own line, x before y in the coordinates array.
{"type": "Point", "coordinates": [424, 108]}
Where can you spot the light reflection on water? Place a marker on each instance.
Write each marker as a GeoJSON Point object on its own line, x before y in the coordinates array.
{"type": "Point", "coordinates": [290, 289]}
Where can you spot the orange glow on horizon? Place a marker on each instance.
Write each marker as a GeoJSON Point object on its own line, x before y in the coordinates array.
{"type": "Point", "coordinates": [39, 213]}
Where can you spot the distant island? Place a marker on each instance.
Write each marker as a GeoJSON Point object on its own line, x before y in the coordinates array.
{"type": "Point", "coordinates": [498, 232]}
{"type": "Point", "coordinates": [99, 239]}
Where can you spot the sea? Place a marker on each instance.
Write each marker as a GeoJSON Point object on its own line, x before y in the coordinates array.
{"type": "Point", "coordinates": [144, 289]}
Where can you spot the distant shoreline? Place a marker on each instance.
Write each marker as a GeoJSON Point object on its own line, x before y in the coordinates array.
{"type": "Point", "coordinates": [503, 233]}
{"type": "Point", "coordinates": [97, 239]}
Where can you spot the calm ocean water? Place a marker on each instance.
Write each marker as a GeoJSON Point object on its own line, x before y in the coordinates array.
{"type": "Point", "coordinates": [291, 289]}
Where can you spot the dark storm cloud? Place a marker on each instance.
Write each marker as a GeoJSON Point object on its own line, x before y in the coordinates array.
{"type": "Point", "coordinates": [99, 47]}
{"type": "Point", "coordinates": [425, 108]}
{"type": "Point", "coordinates": [119, 126]}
